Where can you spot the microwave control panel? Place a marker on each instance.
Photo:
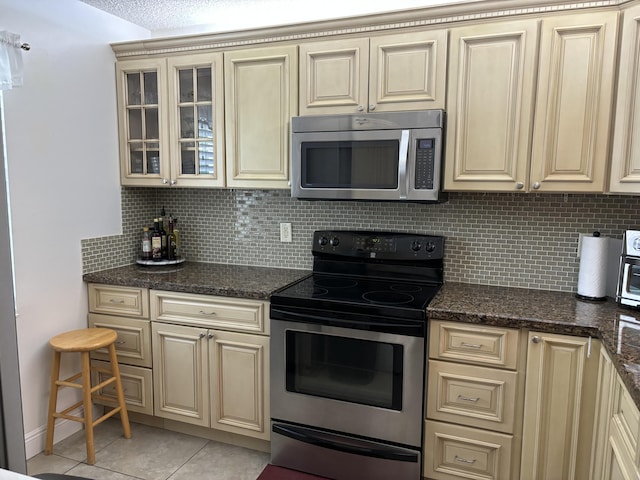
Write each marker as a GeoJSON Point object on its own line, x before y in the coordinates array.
{"type": "Point", "coordinates": [425, 163]}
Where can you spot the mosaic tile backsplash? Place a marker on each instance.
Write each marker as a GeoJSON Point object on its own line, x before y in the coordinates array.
{"type": "Point", "coordinates": [517, 240]}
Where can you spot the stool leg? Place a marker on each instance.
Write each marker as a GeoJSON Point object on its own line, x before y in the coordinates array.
{"type": "Point", "coordinates": [88, 407]}
{"type": "Point", "coordinates": [53, 400]}
{"type": "Point", "coordinates": [115, 370]}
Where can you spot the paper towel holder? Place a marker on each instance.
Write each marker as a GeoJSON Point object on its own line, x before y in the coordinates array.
{"type": "Point", "coordinates": [586, 271]}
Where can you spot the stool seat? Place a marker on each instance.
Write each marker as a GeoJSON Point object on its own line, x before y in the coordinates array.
{"type": "Point", "coordinates": [83, 340]}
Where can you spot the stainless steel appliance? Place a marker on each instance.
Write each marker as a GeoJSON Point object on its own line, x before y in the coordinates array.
{"type": "Point", "coordinates": [348, 355]}
{"type": "Point", "coordinates": [371, 156]}
{"type": "Point", "coordinates": [628, 292]}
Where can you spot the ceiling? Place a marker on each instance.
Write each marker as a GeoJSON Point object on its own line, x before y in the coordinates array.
{"type": "Point", "coordinates": [199, 16]}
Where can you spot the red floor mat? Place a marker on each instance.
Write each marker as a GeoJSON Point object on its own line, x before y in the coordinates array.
{"type": "Point", "coordinates": [272, 472]}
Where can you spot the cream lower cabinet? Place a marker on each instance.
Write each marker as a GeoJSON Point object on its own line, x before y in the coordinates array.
{"type": "Point", "coordinates": [125, 310]}
{"type": "Point", "coordinates": [615, 452]}
{"type": "Point", "coordinates": [559, 406]}
{"type": "Point", "coordinates": [260, 97]}
{"type": "Point", "coordinates": [382, 73]}
{"type": "Point", "coordinates": [208, 376]}
{"type": "Point", "coordinates": [473, 398]}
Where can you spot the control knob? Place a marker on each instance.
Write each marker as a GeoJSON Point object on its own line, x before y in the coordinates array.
{"type": "Point", "coordinates": [322, 241]}
{"type": "Point", "coordinates": [334, 242]}
{"type": "Point", "coordinates": [430, 247]}
{"type": "Point", "coordinates": [416, 245]}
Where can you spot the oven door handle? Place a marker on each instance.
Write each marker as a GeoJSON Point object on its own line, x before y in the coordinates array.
{"type": "Point", "coordinates": [307, 436]}
{"type": "Point", "coordinates": [308, 317]}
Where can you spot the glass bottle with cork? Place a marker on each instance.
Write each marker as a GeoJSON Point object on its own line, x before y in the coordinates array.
{"type": "Point", "coordinates": [146, 244]}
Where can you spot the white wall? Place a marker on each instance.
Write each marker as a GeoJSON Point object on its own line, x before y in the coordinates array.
{"type": "Point", "coordinates": [61, 140]}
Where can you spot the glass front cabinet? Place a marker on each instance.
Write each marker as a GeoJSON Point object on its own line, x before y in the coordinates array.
{"type": "Point", "coordinates": [171, 121]}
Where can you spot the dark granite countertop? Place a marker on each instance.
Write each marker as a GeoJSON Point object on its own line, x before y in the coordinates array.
{"type": "Point", "coordinates": [617, 327]}
{"type": "Point", "coordinates": [204, 278]}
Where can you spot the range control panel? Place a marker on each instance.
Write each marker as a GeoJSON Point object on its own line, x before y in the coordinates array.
{"type": "Point", "coordinates": [378, 245]}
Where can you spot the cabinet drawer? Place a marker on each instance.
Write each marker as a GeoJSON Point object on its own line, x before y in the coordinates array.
{"type": "Point", "coordinates": [114, 300]}
{"type": "Point", "coordinates": [475, 396]}
{"type": "Point", "coordinates": [133, 344]}
{"type": "Point", "coordinates": [453, 452]}
{"type": "Point", "coordinates": [208, 311]}
{"type": "Point", "coordinates": [626, 418]}
{"type": "Point", "coordinates": [462, 342]}
{"type": "Point", "coordinates": [137, 384]}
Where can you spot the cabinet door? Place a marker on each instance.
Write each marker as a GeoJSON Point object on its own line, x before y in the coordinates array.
{"type": "Point", "coordinates": [559, 406]}
{"type": "Point", "coordinates": [196, 114]}
{"type": "Point", "coordinates": [625, 166]}
{"type": "Point", "coordinates": [143, 130]}
{"type": "Point", "coordinates": [573, 105]}
{"type": "Point", "coordinates": [240, 383]}
{"type": "Point", "coordinates": [180, 373]}
{"type": "Point", "coordinates": [606, 375]}
{"type": "Point", "coordinates": [407, 71]}
{"type": "Point", "coordinates": [261, 96]}
{"type": "Point", "coordinates": [334, 76]}
{"type": "Point", "coordinates": [489, 106]}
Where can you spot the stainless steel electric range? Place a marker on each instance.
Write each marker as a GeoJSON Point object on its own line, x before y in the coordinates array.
{"type": "Point", "coordinates": [348, 356]}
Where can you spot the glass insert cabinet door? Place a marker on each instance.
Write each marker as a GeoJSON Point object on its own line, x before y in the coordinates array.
{"type": "Point", "coordinates": [142, 122]}
{"type": "Point", "coordinates": [197, 120]}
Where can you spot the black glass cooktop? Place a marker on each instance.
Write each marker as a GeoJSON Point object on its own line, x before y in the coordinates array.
{"type": "Point", "coordinates": [357, 293]}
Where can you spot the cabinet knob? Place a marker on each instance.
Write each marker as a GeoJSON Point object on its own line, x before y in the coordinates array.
{"type": "Point", "coordinates": [202, 335]}
{"type": "Point", "coordinates": [372, 107]}
{"type": "Point", "coordinates": [360, 108]}
{"type": "Point", "coordinates": [164, 181]}
{"type": "Point", "coordinates": [519, 185]}
{"type": "Point", "coordinates": [536, 185]}
{"type": "Point", "coordinates": [172, 182]}
{"type": "Point", "coordinates": [535, 339]}
{"type": "Point", "coordinates": [210, 336]}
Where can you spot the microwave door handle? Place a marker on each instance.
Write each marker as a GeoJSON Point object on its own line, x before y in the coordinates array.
{"type": "Point", "coordinates": [402, 164]}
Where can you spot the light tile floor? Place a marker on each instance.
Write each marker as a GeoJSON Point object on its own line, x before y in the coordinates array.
{"type": "Point", "coordinates": [150, 454]}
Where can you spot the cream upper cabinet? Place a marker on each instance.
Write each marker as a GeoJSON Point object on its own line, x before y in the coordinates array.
{"type": "Point", "coordinates": [559, 406]}
{"type": "Point", "coordinates": [625, 166]}
{"type": "Point", "coordinates": [383, 73]}
{"type": "Point", "coordinates": [196, 114]}
{"type": "Point", "coordinates": [143, 122]}
{"type": "Point", "coordinates": [574, 102]}
{"type": "Point", "coordinates": [489, 105]}
{"type": "Point", "coordinates": [171, 116]}
{"type": "Point", "coordinates": [261, 96]}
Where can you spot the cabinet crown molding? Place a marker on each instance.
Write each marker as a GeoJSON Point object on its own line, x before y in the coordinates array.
{"type": "Point", "coordinates": [381, 22]}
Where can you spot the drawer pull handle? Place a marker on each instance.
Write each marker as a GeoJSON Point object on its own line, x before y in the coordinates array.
{"type": "Point", "coordinates": [468, 399]}
{"type": "Point", "coordinates": [113, 300]}
{"type": "Point", "coordinates": [120, 342]}
{"type": "Point", "coordinates": [471, 345]}
{"type": "Point", "coordinates": [464, 460]}
{"type": "Point", "coordinates": [202, 312]}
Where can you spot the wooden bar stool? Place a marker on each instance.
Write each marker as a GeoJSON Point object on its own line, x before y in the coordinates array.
{"type": "Point", "coordinates": [85, 341]}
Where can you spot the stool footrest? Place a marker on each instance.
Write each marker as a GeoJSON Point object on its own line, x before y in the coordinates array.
{"type": "Point", "coordinates": [103, 384]}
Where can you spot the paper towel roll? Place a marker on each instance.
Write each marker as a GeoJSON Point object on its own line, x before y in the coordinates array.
{"type": "Point", "coordinates": [592, 278]}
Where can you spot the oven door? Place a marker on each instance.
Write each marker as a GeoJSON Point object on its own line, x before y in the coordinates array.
{"type": "Point", "coordinates": [629, 288]}
{"type": "Point", "coordinates": [348, 380]}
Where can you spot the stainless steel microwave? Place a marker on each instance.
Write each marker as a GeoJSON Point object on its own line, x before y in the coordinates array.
{"type": "Point", "coordinates": [373, 156]}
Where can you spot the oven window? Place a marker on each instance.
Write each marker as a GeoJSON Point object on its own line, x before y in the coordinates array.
{"type": "Point", "coordinates": [633, 285]}
{"type": "Point", "coordinates": [350, 164]}
{"type": "Point", "coordinates": [348, 369]}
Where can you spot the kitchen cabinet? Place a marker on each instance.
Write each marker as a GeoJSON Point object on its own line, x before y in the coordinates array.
{"type": "Point", "coordinates": [171, 121]}
{"type": "Point", "coordinates": [204, 372]}
{"type": "Point", "coordinates": [615, 452]}
{"type": "Point", "coordinates": [382, 73]}
{"type": "Point", "coordinates": [492, 114]}
{"type": "Point", "coordinates": [125, 310]}
{"type": "Point", "coordinates": [261, 96]}
{"type": "Point", "coordinates": [625, 157]}
{"type": "Point", "coordinates": [474, 398]}
{"type": "Point", "coordinates": [559, 406]}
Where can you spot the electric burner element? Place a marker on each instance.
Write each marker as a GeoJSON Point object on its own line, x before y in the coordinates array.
{"type": "Point", "coordinates": [319, 291]}
{"type": "Point", "coordinates": [406, 288]}
{"type": "Point", "coordinates": [385, 297]}
{"type": "Point", "coordinates": [335, 282]}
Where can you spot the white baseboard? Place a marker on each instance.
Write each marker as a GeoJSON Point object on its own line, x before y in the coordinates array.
{"type": "Point", "coordinates": [34, 440]}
